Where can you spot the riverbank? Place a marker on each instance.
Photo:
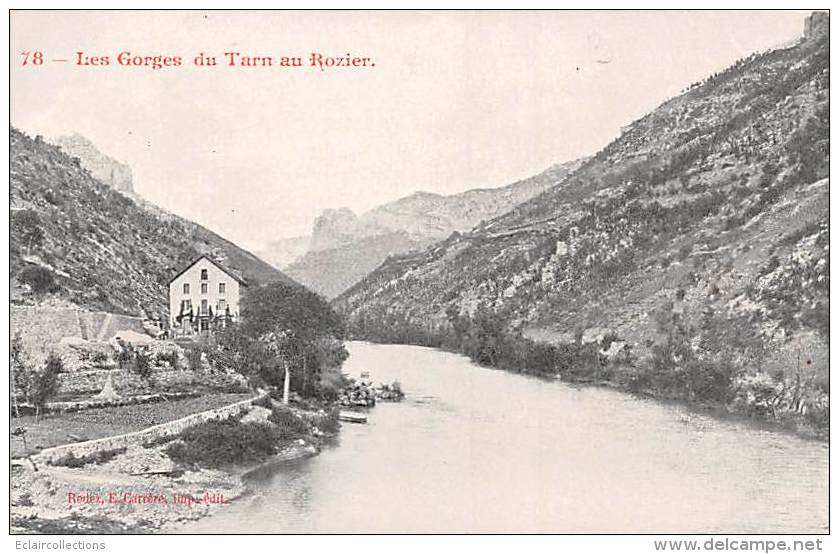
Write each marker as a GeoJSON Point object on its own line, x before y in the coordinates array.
{"type": "Point", "coordinates": [557, 457]}
{"type": "Point", "coordinates": [795, 426]}
{"type": "Point", "coordinates": [147, 488]}
{"type": "Point", "coordinates": [125, 495]}
{"type": "Point", "coordinates": [790, 404]}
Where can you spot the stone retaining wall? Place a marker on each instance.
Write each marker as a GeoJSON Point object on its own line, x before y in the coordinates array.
{"type": "Point", "coordinates": [90, 382]}
{"type": "Point", "coordinates": [171, 428]}
{"type": "Point", "coordinates": [41, 328]}
{"type": "Point", "coordinates": [79, 405]}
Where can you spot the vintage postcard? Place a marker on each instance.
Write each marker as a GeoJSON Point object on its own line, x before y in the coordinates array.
{"type": "Point", "coordinates": [420, 272]}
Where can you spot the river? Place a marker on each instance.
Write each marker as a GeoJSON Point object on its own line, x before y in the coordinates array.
{"type": "Point", "coordinates": [473, 449]}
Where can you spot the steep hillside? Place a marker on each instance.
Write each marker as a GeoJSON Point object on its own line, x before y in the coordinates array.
{"type": "Point", "coordinates": [346, 247]}
{"type": "Point", "coordinates": [714, 203]}
{"type": "Point", "coordinates": [77, 239]}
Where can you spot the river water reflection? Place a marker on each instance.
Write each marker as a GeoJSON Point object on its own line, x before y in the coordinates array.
{"type": "Point", "coordinates": [478, 450]}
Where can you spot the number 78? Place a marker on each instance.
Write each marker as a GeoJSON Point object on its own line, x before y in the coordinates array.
{"type": "Point", "coordinates": [35, 58]}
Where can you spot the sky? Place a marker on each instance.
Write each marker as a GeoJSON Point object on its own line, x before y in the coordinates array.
{"type": "Point", "coordinates": [456, 99]}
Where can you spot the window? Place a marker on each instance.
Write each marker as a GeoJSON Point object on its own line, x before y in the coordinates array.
{"type": "Point", "coordinates": [221, 306]}
{"type": "Point", "coordinates": [186, 306]}
{"type": "Point", "coordinates": [221, 287]}
{"type": "Point", "coordinates": [204, 276]}
{"type": "Point", "coordinates": [186, 288]}
{"type": "Point", "coordinates": [203, 288]}
{"type": "Point", "coordinates": [204, 306]}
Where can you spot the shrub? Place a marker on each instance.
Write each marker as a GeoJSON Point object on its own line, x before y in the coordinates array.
{"type": "Point", "coordinates": [170, 358]}
{"type": "Point", "coordinates": [264, 402]}
{"type": "Point", "coordinates": [329, 423]}
{"type": "Point", "coordinates": [45, 384]}
{"type": "Point", "coordinates": [40, 279]}
{"type": "Point", "coordinates": [141, 366]}
{"type": "Point", "coordinates": [194, 355]}
{"type": "Point", "coordinates": [709, 380]}
{"type": "Point", "coordinates": [288, 424]}
{"type": "Point", "coordinates": [328, 391]}
{"type": "Point", "coordinates": [26, 226]}
{"type": "Point", "coordinates": [21, 373]}
{"type": "Point", "coordinates": [73, 461]}
{"type": "Point", "coordinates": [125, 355]}
{"type": "Point", "coordinates": [607, 340]}
{"type": "Point", "coordinates": [99, 359]}
{"type": "Point", "coordinates": [818, 415]}
{"type": "Point", "coordinates": [221, 443]}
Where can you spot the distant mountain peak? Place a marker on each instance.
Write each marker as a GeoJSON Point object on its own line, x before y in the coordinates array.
{"type": "Point", "coordinates": [104, 168]}
{"type": "Point", "coordinates": [345, 246]}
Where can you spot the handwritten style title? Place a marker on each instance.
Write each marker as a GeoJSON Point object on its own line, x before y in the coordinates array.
{"type": "Point", "coordinates": [314, 60]}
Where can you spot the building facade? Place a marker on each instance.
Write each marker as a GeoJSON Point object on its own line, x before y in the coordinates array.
{"type": "Point", "coordinates": [203, 297]}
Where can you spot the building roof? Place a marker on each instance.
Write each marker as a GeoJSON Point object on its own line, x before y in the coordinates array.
{"type": "Point", "coordinates": [215, 263]}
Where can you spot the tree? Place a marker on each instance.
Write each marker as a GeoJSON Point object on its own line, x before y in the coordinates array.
{"type": "Point", "coordinates": [141, 365]}
{"type": "Point", "coordinates": [40, 279]}
{"type": "Point", "coordinates": [46, 383]}
{"type": "Point", "coordinates": [26, 224]}
{"type": "Point", "coordinates": [21, 372]}
{"type": "Point", "coordinates": [288, 307]}
{"type": "Point", "coordinates": [283, 327]}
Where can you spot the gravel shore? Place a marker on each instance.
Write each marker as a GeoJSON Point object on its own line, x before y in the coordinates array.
{"type": "Point", "coordinates": [138, 491]}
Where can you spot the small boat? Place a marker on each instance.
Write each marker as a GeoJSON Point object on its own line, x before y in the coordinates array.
{"type": "Point", "coordinates": [352, 417]}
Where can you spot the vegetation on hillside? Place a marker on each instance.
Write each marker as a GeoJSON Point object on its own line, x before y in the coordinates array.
{"type": "Point", "coordinates": [77, 238]}
{"type": "Point", "coordinates": [719, 195]}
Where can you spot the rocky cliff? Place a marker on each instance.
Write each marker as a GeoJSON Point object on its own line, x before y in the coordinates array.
{"type": "Point", "coordinates": [103, 168]}
{"type": "Point", "coordinates": [345, 247]}
{"type": "Point", "coordinates": [716, 202]}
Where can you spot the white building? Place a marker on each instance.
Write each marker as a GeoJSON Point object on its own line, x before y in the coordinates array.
{"type": "Point", "coordinates": [203, 297]}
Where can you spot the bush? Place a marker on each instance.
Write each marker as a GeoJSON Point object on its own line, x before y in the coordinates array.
{"type": "Point", "coordinates": [45, 382]}
{"type": "Point", "coordinates": [141, 366]}
{"type": "Point", "coordinates": [169, 358]}
{"type": "Point", "coordinates": [709, 380]}
{"type": "Point", "coordinates": [329, 423]}
{"type": "Point", "coordinates": [221, 443]}
{"type": "Point", "coordinates": [99, 359]}
{"type": "Point", "coordinates": [289, 426]}
{"type": "Point", "coordinates": [125, 355]}
{"type": "Point", "coordinates": [40, 279]}
{"type": "Point", "coordinates": [73, 461]}
{"type": "Point", "coordinates": [194, 356]}
{"type": "Point", "coordinates": [264, 402]}
{"type": "Point", "coordinates": [26, 227]}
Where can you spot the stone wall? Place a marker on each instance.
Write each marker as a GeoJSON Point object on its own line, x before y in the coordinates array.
{"type": "Point", "coordinates": [41, 328]}
{"type": "Point", "coordinates": [126, 382]}
{"type": "Point", "coordinates": [102, 326]}
{"type": "Point", "coordinates": [150, 434]}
